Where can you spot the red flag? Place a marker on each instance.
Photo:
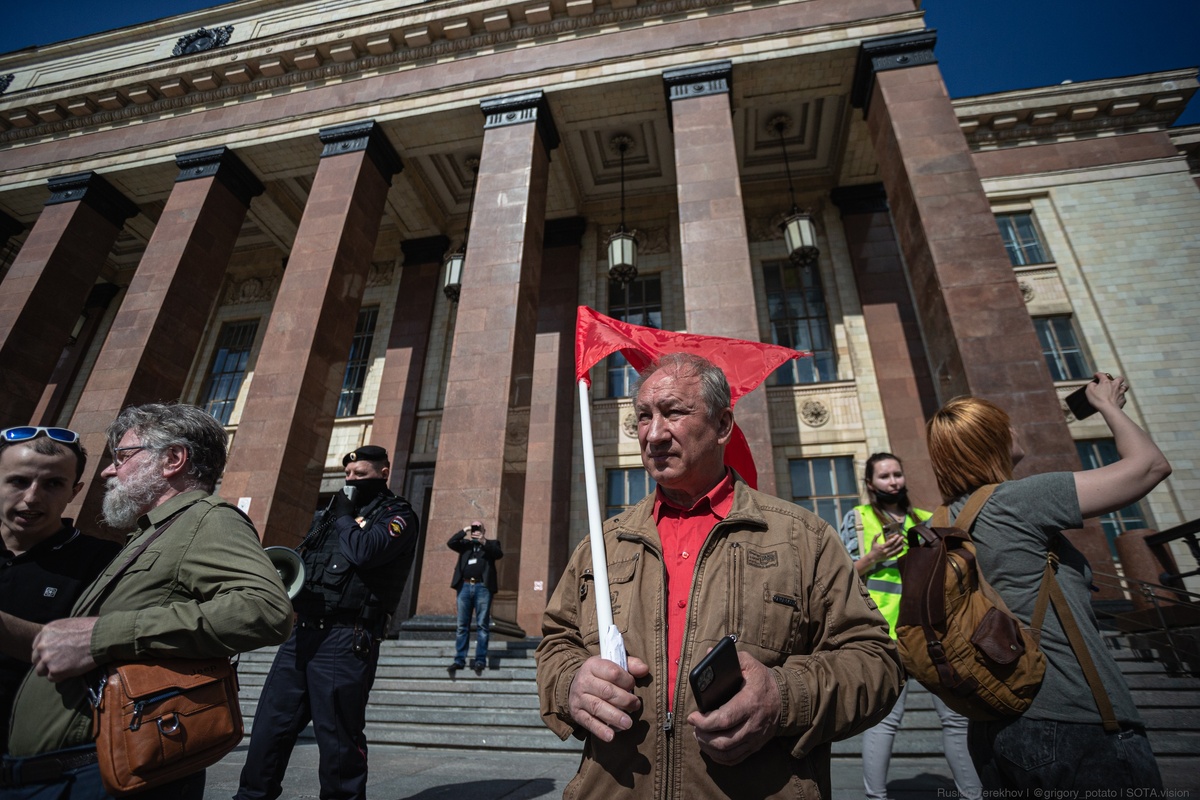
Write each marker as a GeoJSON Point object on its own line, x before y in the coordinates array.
{"type": "Point", "coordinates": [746, 364]}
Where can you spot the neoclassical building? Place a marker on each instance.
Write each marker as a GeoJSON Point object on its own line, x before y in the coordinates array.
{"type": "Point", "coordinates": [250, 208]}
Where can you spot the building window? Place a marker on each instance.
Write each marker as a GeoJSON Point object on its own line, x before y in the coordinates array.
{"type": "Point", "coordinates": [638, 302]}
{"type": "Point", "coordinates": [626, 487]}
{"type": "Point", "coordinates": [1098, 453]}
{"type": "Point", "coordinates": [1021, 239]}
{"type": "Point", "coordinates": [358, 363]}
{"type": "Point", "coordinates": [799, 320]}
{"type": "Point", "coordinates": [825, 486]}
{"type": "Point", "coordinates": [1060, 347]}
{"type": "Point", "coordinates": [228, 368]}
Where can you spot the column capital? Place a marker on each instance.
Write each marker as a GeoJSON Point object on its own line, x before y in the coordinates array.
{"type": "Point", "coordinates": [898, 51]}
{"type": "Point", "coordinates": [223, 164]}
{"type": "Point", "coordinates": [868, 198]}
{"type": "Point", "coordinates": [92, 189]}
{"type": "Point", "coordinates": [519, 109]}
{"type": "Point", "coordinates": [367, 135]}
{"type": "Point", "coordinates": [564, 232]}
{"type": "Point", "coordinates": [428, 250]}
{"type": "Point", "coordinates": [697, 80]}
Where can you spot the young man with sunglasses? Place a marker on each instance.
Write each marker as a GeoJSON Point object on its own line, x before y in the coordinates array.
{"type": "Point", "coordinates": [46, 562]}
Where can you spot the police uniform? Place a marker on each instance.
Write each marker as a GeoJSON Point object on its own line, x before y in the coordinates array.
{"type": "Point", "coordinates": [41, 585]}
{"type": "Point", "coordinates": [355, 570]}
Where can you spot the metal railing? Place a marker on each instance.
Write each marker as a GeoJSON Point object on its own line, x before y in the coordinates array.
{"type": "Point", "coordinates": [1188, 534]}
{"type": "Point", "coordinates": [1167, 624]}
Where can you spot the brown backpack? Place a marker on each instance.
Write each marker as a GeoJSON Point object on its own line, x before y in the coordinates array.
{"type": "Point", "coordinates": [956, 635]}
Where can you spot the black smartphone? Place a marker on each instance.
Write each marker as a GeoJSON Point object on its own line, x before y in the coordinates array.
{"type": "Point", "coordinates": [718, 676]}
{"type": "Point", "coordinates": [1077, 401]}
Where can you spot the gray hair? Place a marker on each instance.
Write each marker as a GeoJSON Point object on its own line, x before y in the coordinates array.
{"type": "Point", "coordinates": [714, 388]}
{"type": "Point", "coordinates": [162, 425]}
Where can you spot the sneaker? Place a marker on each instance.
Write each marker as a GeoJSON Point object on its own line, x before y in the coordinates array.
{"type": "Point", "coordinates": [457, 665]}
{"type": "Point", "coordinates": [479, 667]}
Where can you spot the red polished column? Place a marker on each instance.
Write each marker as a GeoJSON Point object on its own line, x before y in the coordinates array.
{"type": "Point", "coordinates": [485, 419]}
{"type": "Point", "coordinates": [978, 333]}
{"type": "Point", "coordinates": [160, 324]}
{"type": "Point", "coordinates": [718, 287]}
{"type": "Point", "coordinates": [49, 281]}
{"type": "Point", "coordinates": [279, 454]}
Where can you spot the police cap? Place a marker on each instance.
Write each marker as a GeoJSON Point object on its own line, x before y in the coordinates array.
{"type": "Point", "coordinates": [368, 452]}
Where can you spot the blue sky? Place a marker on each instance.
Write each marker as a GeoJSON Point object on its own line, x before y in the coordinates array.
{"type": "Point", "coordinates": [982, 46]}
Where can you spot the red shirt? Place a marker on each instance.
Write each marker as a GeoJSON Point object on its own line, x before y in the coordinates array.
{"type": "Point", "coordinates": [683, 532]}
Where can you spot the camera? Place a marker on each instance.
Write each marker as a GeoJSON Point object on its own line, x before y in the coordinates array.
{"type": "Point", "coordinates": [476, 528]}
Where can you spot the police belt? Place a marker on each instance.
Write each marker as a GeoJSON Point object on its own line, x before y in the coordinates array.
{"type": "Point", "coordinates": [46, 768]}
{"type": "Point", "coordinates": [336, 619]}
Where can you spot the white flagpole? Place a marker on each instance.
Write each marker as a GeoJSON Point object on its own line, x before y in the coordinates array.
{"type": "Point", "coordinates": [612, 646]}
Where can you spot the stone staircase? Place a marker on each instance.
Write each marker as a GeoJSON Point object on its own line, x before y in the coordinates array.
{"type": "Point", "coordinates": [417, 703]}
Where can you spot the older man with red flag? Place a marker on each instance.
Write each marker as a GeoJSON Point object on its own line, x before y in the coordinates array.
{"type": "Point", "coordinates": [704, 557]}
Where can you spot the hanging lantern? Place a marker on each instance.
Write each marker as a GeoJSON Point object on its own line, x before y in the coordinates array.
{"type": "Point", "coordinates": [622, 245]}
{"type": "Point", "coordinates": [800, 233]}
{"type": "Point", "coordinates": [799, 230]}
{"type": "Point", "coordinates": [454, 266]}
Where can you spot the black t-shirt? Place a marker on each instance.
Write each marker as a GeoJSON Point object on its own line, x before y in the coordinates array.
{"type": "Point", "coordinates": [41, 585]}
{"type": "Point", "coordinates": [474, 564]}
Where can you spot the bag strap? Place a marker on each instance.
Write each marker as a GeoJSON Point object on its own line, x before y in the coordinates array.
{"type": "Point", "coordinates": [103, 593]}
{"type": "Point", "coordinates": [1051, 592]}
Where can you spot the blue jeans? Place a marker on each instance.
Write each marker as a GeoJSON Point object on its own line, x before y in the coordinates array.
{"type": "Point", "coordinates": [1028, 754]}
{"type": "Point", "coordinates": [473, 595]}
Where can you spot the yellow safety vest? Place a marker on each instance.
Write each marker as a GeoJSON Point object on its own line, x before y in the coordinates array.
{"type": "Point", "coordinates": [884, 583]}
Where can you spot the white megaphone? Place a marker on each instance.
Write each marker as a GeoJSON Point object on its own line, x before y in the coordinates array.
{"type": "Point", "coordinates": [290, 566]}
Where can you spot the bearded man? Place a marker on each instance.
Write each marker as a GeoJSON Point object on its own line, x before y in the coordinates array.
{"type": "Point", "coordinates": [202, 589]}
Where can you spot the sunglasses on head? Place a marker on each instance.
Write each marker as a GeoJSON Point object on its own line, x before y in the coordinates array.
{"type": "Point", "coordinates": [26, 432]}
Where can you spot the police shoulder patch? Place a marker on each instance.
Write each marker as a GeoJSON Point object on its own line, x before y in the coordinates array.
{"type": "Point", "coordinates": [396, 526]}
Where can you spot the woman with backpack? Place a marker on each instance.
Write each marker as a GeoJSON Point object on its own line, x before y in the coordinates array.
{"type": "Point", "coordinates": [1060, 741]}
{"type": "Point", "coordinates": [874, 535]}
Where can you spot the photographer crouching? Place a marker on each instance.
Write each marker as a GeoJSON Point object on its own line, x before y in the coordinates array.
{"type": "Point", "coordinates": [357, 556]}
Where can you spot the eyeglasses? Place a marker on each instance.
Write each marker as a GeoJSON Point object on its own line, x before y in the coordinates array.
{"type": "Point", "coordinates": [26, 432]}
{"type": "Point", "coordinates": [119, 456]}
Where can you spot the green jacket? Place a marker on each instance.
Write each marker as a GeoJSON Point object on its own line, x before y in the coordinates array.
{"type": "Point", "coordinates": [778, 577]}
{"type": "Point", "coordinates": [203, 589]}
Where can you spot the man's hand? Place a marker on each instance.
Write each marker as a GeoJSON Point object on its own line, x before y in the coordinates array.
{"type": "Point", "coordinates": [747, 722]}
{"type": "Point", "coordinates": [63, 649]}
{"type": "Point", "coordinates": [602, 698]}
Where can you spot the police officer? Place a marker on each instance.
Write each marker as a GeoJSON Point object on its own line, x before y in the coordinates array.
{"type": "Point", "coordinates": [357, 556]}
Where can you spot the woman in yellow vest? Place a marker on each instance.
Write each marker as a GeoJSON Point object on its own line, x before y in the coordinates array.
{"type": "Point", "coordinates": [877, 530]}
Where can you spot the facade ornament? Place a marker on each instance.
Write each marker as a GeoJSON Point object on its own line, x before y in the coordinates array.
{"type": "Point", "coordinates": [251, 290]}
{"type": "Point", "coordinates": [202, 40]}
{"type": "Point", "coordinates": [1027, 291]}
{"type": "Point", "coordinates": [6, 81]}
{"type": "Point", "coordinates": [381, 273]}
{"type": "Point", "coordinates": [629, 425]}
{"type": "Point", "coordinates": [814, 413]}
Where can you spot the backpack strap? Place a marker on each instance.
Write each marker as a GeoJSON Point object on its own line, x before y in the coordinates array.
{"type": "Point", "coordinates": [1051, 591]}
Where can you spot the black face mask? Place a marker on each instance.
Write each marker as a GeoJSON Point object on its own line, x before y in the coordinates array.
{"type": "Point", "coordinates": [898, 497]}
{"type": "Point", "coordinates": [367, 489]}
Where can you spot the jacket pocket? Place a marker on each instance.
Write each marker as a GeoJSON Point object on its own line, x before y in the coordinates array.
{"type": "Point", "coordinates": [621, 576]}
{"type": "Point", "coordinates": [337, 572]}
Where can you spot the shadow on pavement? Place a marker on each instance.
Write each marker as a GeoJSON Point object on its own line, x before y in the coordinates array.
{"type": "Point", "coordinates": [506, 789]}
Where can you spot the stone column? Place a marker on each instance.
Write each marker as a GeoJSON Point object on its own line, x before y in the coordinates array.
{"type": "Point", "coordinates": [285, 427]}
{"type": "Point", "coordinates": [718, 284]}
{"type": "Point", "coordinates": [549, 474]}
{"type": "Point", "coordinates": [160, 324]}
{"type": "Point", "coordinates": [897, 352]}
{"type": "Point", "coordinates": [54, 396]}
{"type": "Point", "coordinates": [49, 281]}
{"type": "Point", "coordinates": [977, 331]}
{"type": "Point", "coordinates": [485, 419]}
{"type": "Point", "coordinates": [400, 383]}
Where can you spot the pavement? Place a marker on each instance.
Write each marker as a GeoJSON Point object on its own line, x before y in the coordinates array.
{"type": "Point", "coordinates": [408, 773]}
{"type": "Point", "coordinates": [415, 773]}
